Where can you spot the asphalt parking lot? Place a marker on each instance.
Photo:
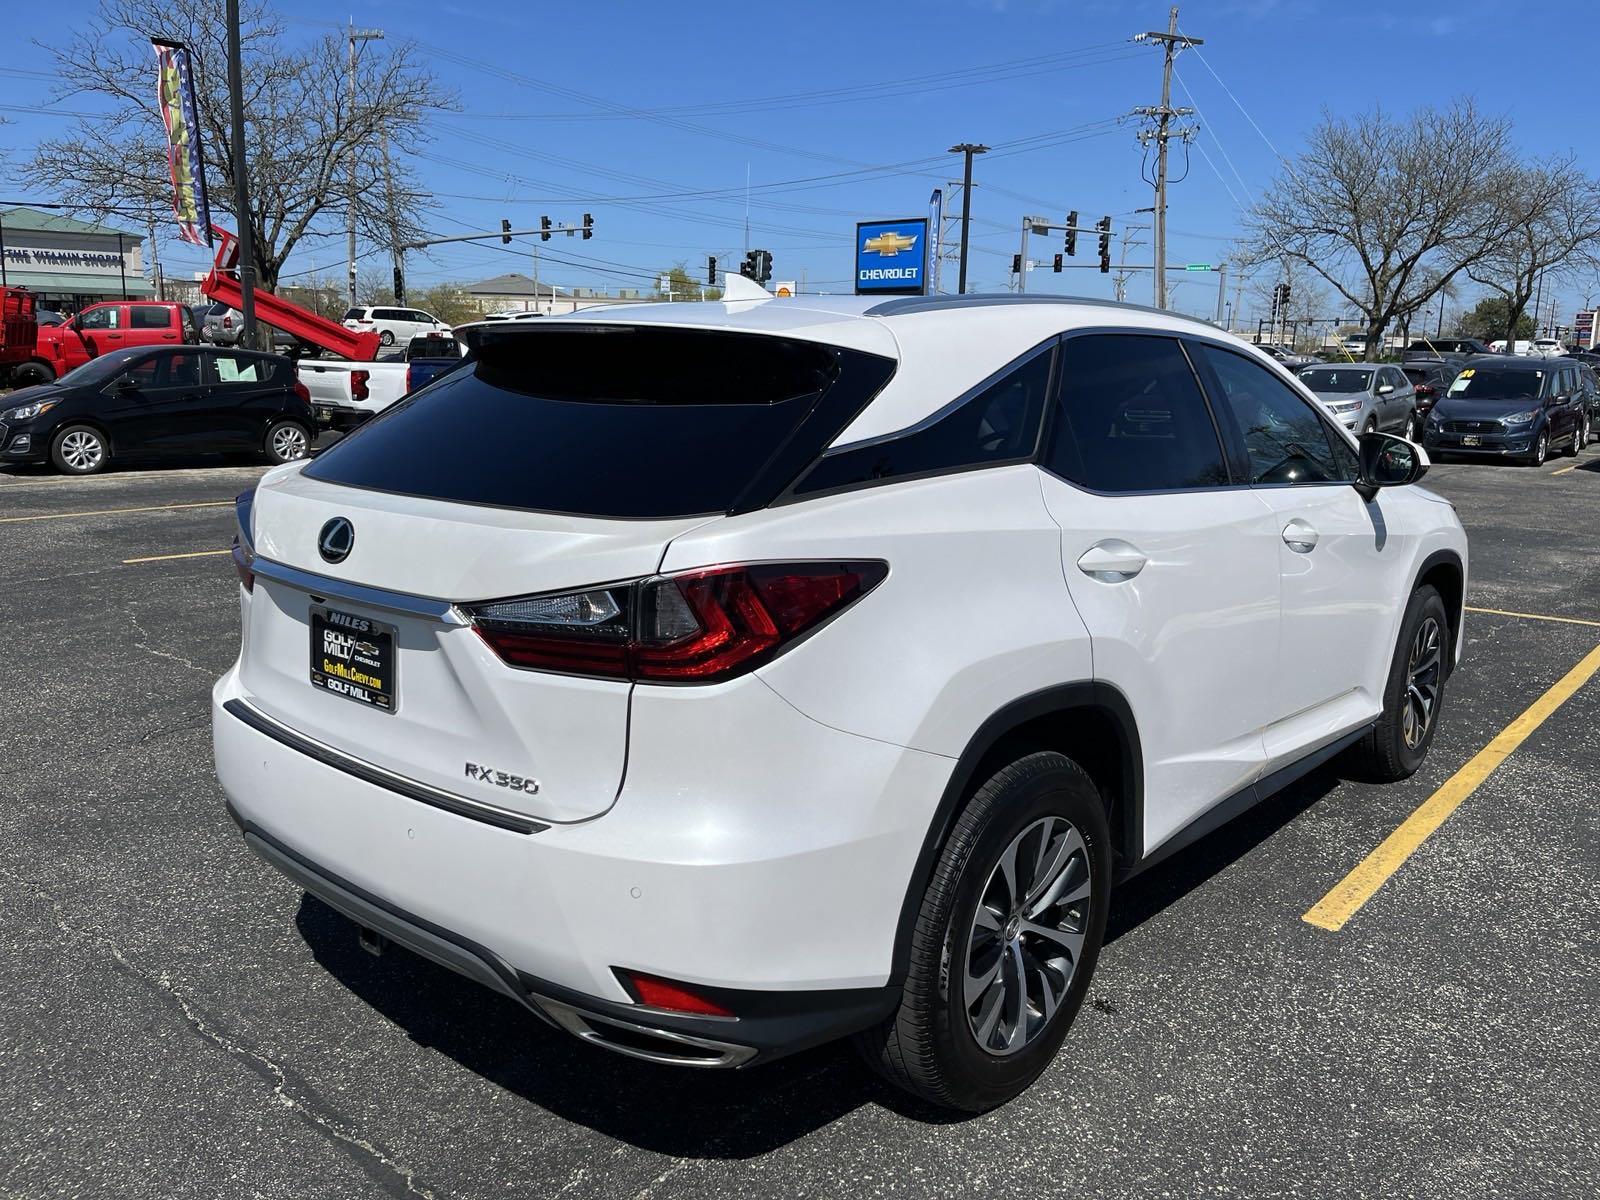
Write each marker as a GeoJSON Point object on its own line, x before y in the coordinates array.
{"type": "Point", "coordinates": [176, 1019]}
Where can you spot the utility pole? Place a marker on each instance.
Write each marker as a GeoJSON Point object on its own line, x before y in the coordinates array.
{"type": "Point", "coordinates": [1222, 287]}
{"type": "Point", "coordinates": [155, 262]}
{"type": "Point", "coordinates": [1172, 41]}
{"type": "Point", "coordinates": [355, 35]}
{"type": "Point", "coordinates": [1120, 283]}
{"type": "Point", "coordinates": [398, 254]}
{"type": "Point", "coordinates": [241, 180]}
{"type": "Point", "coordinates": [968, 149]}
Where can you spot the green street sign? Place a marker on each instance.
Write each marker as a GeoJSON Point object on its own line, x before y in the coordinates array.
{"type": "Point", "coordinates": [1198, 267]}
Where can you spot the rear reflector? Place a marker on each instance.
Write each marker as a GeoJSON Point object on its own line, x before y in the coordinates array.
{"type": "Point", "coordinates": [673, 997]}
{"type": "Point", "coordinates": [698, 627]}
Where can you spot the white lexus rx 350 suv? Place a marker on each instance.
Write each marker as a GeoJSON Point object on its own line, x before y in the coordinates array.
{"type": "Point", "coordinates": [720, 679]}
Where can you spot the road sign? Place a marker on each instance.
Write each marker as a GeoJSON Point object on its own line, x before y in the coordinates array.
{"type": "Point", "coordinates": [1198, 267]}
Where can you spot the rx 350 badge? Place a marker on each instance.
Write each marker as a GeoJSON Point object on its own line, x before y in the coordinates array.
{"type": "Point", "coordinates": [513, 783]}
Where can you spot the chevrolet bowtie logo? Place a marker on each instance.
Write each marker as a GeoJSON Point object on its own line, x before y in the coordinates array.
{"type": "Point", "coordinates": [891, 243]}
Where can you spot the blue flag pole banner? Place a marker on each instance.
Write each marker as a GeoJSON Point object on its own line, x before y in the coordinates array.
{"type": "Point", "coordinates": [936, 233]}
{"type": "Point", "coordinates": [185, 163]}
{"type": "Point", "coordinates": [892, 257]}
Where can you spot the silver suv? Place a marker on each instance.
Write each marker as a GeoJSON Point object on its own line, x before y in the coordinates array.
{"type": "Point", "coordinates": [1365, 396]}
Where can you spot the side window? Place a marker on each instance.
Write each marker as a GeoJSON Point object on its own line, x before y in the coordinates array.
{"type": "Point", "coordinates": [181, 370]}
{"type": "Point", "coordinates": [997, 424]}
{"type": "Point", "coordinates": [1131, 418]}
{"type": "Point", "coordinates": [144, 373]}
{"type": "Point", "coordinates": [236, 368]}
{"type": "Point", "coordinates": [100, 318]}
{"type": "Point", "coordinates": [147, 316]}
{"type": "Point", "coordinates": [1284, 438]}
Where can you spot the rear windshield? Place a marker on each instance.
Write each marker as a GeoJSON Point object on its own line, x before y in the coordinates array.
{"type": "Point", "coordinates": [612, 421]}
{"type": "Point", "coordinates": [351, 314]}
{"type": "Point", "coordinates": [1321, 379]}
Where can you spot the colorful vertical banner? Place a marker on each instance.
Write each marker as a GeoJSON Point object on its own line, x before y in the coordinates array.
{"type": "Point", "coordinates": [185, 163]}
{"type": "Point", "coordinates": [936, 234]}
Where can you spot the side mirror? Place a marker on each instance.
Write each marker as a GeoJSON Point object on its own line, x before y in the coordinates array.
{"type": "Point", "coordinates": [1388, 461]}
{"type": "Point", "coordinates": [1385, 389]}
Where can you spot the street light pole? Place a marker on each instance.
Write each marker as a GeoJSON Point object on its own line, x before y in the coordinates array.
{"type": "Point", "coordinates": [241, 180]}
{"type": "Point", "coordinates": [968, 149]}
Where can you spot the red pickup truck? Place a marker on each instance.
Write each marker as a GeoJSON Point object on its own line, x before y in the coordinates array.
{"type": "Point", "coordinates": [114, 325]}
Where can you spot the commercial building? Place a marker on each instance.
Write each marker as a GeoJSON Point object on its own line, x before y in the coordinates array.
{"type": "Point", "coordinates": [518, 293]}
{"type": "Point", "coordinates": [70, 263]}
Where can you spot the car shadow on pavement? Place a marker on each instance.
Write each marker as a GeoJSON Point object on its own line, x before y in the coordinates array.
{"type": "Point", "coordinates": [702, 1114]}
{"type": "Point", "coordinates": [677, 1111]}
{"type": "Point", "coordinates": [1148, 893]}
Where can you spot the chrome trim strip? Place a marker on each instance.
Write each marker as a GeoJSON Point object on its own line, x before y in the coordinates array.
{"type": "Point", "coordinates": [461, 806]}
{"type": "Point", "coordinates": [325, 587]}
{"type": "Point", "coordinates": [582, 1024]}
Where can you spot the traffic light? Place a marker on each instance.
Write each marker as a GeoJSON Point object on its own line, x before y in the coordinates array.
{"type": "Point", "coordinates": [1104, 226]}
{"type": "Point", "coordinates": [1286, 297]}
{"type": "Point", "coordinates": [505, 231]}
{"type": "Point", "coordinates": [763, 266]}
{"type": "Point", "coordinates": [1058, 264]}
{"type": "Point", "coordinates": [588, 227]}
{"type": "Point", "coordinates": [748, 267]}
{"type": "Point", "coordinates": [711, 272]}
{"type": "Point", "coordinates": [399, 285]}
{"type": "Point", "coordinates": [1072, 233]}
{"type": "Point", "coordinates": [544, 229]}
{"type": "Point", "coordinates": [1016, 264]}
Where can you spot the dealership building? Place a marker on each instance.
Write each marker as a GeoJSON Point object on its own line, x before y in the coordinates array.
{"type": "Point", "coordinates": [69, 263]}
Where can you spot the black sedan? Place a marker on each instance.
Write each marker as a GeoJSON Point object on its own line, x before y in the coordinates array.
{"type": "Point", "coordinates": [160, 400]}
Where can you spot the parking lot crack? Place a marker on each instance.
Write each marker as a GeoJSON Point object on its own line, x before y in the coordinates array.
{"type": "Point", "coordinates": [144, 644]}
{"type": "Point", "coordinates": [257, 1062]}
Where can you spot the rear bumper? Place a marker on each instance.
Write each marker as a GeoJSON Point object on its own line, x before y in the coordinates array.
{"type": "Point", "coordinates": [780, 903]}
{"type": "Point", "coordinates": [769, 1025]}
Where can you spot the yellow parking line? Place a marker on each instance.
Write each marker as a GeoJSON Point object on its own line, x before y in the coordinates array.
{"type": "Point", "coordinates": [1564, 470]}
{"type": "Point", "coordinates": [166, 557]}
{"type": "Point", "coordinates": [1500, 612]}
{"type": "Point", "coordinates": [106, 512]}
{"type": "Point", "coordinates": [1356, 888]}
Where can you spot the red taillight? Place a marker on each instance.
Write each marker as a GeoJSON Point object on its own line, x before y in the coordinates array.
{"type": "Point", "coordinates": [302, 391]}
{"type": "Point", "coordinates": [698, 627]}
{"type": "Point", "coordinates": [411, 381]}
{"type": "Point", "coordinates": [358, 384]}
{"type": "Point", "coordinates": [674, 997]}
{"type": "Point", "coordinates": [244, 564]}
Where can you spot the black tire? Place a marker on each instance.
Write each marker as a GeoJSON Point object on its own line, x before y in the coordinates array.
{"type": "Point", "coordinates": [1371, 425]}
{"type": "Point", "coordinates": [280, 446]}
{"type": "Point", "coordinates": [1580, 435]}
{"type": "Point", "coordinates": [31, 374]}
{"type": "Point", "coordinates": [1386, 755]}
{"type": "Point", "coordinates": [80, 450]}
{"type": "Point", "coordinates": [386, 337]}
{"type": "Point", "coordinates": [1541, 450]}
{"type": "Point", "coordinates": [929, 1046]}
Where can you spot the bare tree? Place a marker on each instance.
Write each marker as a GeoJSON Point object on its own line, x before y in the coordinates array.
{"type": "Point", "coordinates": [1387, 212]}
{"type": "Point", "coordinates": [304, 137]}
{"type": "Point", "coordinates": [1553, 221]}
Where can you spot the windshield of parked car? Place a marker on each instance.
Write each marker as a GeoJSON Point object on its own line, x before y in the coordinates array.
{"type": "Point", "coordinates": [1342, 379]}
{"type": "Point", "coordinates": [103, 369]}
{"type": "Point", "coordinates": [1495, 383]}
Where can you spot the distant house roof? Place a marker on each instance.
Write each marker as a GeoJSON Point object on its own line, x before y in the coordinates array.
{"type": "Point", "coordinates": [514, 284]}
{"type": "Point", "coordinates": [32, 218]}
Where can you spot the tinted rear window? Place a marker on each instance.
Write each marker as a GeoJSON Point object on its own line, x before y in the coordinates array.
{"type": "Point", "coordinates": [612, 421]}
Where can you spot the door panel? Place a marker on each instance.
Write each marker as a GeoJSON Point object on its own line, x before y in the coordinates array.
{"type": "Point", "coordinates": [1173, 571]}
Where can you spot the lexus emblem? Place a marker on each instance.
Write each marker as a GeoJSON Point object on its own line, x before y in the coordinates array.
{"type": "Point", "coordinates": [337, 539]}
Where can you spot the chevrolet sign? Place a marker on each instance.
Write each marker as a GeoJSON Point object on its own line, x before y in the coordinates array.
{"type": "Point", "coordinates": [892, 257]}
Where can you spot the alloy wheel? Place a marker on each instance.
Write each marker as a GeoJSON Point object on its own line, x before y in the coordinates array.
{"type": "Point", "coordinates": [82, 450]}
{"type": "Point", "coordinates": [1540, 449]}
{"type": "Point", "coordinates": [1027, 936]}
{"type": "Point", "coordinates": [1424, 671]}
{"type": "Point", "coordinates": [288, 443]}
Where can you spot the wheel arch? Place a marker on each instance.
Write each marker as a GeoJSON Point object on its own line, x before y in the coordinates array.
{"type": "Point", "coordinates": [1443, 571]}
{"type": "Point", "coordinates": [1090, 722]}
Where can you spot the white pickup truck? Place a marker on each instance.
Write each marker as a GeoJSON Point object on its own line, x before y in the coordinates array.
{"type": "Point", "coordinates": [346, 393]}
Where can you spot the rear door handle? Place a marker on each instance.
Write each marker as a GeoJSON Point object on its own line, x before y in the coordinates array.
{"type": "Point", "coordinates": [1112, 561]}
{"type": "Point", "coordinates": [1299, 536]}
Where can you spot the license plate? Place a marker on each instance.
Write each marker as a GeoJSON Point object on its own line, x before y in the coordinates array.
{"type": "Point", "coordinates": [353, 656]}
{"type": "Point", "coordinates": [1471, 440]}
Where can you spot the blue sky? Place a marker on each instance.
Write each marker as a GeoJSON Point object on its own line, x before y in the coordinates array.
{"type": "Point", "coordinates": [552, 97]}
